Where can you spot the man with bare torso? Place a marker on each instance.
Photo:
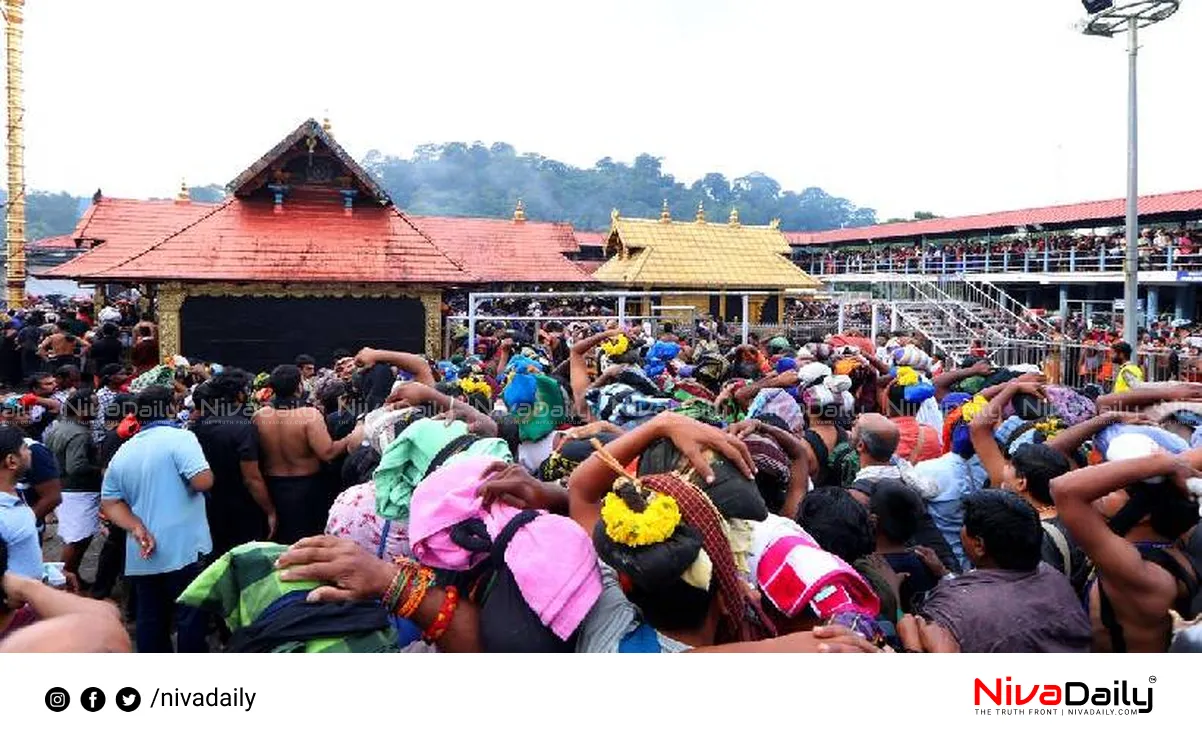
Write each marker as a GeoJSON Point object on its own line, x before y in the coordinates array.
{"type": "Point", "coordinates": [293, 443]}
{"type": "Point", "coordinates": [63, 347]}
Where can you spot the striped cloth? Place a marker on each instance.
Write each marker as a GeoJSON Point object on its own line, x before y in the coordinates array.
{"type": "Point", "coordinates": [244, 582]}
{"type": "Point", "coordinates": [741, 610]}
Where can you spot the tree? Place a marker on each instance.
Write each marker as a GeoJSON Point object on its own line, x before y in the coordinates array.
{"type": "Point", "coordinates": [210, 194]}
{"type": "Point", "coordinates": [458, 179]}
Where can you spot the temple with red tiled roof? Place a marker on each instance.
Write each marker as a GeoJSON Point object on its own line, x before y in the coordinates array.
{"type": "Point", "coordinates": [308, 254]}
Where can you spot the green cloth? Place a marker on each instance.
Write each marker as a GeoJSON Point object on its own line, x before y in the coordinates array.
{"type": "Point", "coordinates": [243, 582]}
{"type": "Point", "coordinates": [701, 410]}
{"type": "Point", "coordinates": [549, 411]}
{"type": "Point", "coordinates": [159, 376]}
{"type": "Point", "coordinates": [404, 463]}
{"type": "Point", "coordinates": [972, 385]}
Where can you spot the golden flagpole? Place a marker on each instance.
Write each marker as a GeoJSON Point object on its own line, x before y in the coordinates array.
{"type": "Point", "coordinates": [14, 222]}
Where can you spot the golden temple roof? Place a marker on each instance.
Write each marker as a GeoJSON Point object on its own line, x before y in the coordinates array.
{"type": "Point", "coordinates": [685, 255]}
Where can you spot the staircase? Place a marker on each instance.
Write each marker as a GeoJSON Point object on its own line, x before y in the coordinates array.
{"type": "Point", "coordinates": [955, 312]}
{"type": "Point", "coordinates": [934, 324]}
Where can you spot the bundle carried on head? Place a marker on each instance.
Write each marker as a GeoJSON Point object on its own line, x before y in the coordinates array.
{"type": "Point", "coordinates": [911, 356]}
{"type": "Point", "coordinates": [658, 356]}
{"type": "Point", "coordinates": [616, 346]}
{"type": "Point", "coordinates": [535, 400]}
{"type": "Point", "coordinates": [909, 387]}
{"type": "Point", "coordinates": [663, 536]}
{"type": "Point", "coordinates": [711, 370]}
{"type": "Point", "coordinates": [781, 405]}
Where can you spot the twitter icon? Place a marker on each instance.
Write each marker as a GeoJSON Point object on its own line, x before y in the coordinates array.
{"type": "Point", "coordinates": [128, 699]}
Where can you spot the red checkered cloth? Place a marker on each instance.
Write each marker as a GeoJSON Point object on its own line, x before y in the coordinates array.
{"type": "Point", "coordinates": [746, 617]}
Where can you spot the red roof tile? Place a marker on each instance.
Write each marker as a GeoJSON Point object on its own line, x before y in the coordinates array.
{"type": "Point", "coordinates": [54, 242]}
{"type": "Point", "coordinates": [121, 228]}
{"type": "Point", "coordinates": [310, 240]}
{"type": "Point", "coordinates": [590, 267]}
{"type": "Point", "coordinates": [503, 250]}
{"type": "Point", "coordinates": [591, 239]}
{"type": "Point", "coordinates": [1092, 211]}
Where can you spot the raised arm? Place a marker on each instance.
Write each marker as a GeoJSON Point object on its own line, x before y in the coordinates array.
{"type": "Point", "coordinates": [421, 395]}
{"type": "Point", "coordinates": [411, 363]}
{"type": "Point", "coordinates": [578, 369]}
{"type": "Point", "coordinates": [981, 432]}
{"type": "Point", "coordinates": [948, 379]}
{"type": "Point", "coordinates": [593, 478]}
{"type": "Point", "coordinates": [1118, 561]}
{"type": "Point", "coordinates": [324, 448]}
{"type": "Point", "coordinates": [1069, 441]}
{"type": "Point", "coordinates": [1144, 397]}
{"type": "Point", "coordinates": [745, 394]}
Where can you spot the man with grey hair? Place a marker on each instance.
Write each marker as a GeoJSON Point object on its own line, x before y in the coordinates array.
{"type": "Point", "coordinates": [875, 438]}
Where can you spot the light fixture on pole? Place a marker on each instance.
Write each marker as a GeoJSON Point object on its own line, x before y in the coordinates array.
{"type": "Point", "coordinates": [1109, 20]}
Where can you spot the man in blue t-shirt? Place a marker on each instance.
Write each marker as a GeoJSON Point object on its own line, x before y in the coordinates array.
{"type": "Point", "coordinates": [153, 490]}
{"type": "Point", "coordinates": [18, 529]}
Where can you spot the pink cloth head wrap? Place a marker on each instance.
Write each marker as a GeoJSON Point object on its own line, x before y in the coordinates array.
{"type": "Point", "coordinates": [552, 558]}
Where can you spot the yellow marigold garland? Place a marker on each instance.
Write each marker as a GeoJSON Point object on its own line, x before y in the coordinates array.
{"type": "Point", "coordinates": [471, 386]}
{"type": "Point", "coordinates": [906, 376]}
{"type": "Point", "coordinates": [1049, 427]}
{"type": "Point", "coordinates": [652, 526]}
{"type": "Point", "coordinates": [972, 408]}
{"type": "Point", "coordinates": [616, 346]}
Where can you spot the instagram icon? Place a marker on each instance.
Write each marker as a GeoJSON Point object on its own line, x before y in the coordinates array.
{"type": "Point", "coordinates": [57, 699]}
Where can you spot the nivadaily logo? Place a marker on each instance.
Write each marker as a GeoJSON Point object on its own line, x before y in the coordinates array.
{"type": "Point", "coordinates": [1068, 698]}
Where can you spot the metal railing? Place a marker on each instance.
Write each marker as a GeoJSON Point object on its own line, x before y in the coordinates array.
{"type": "Point", "coordinates": [1075, 364]}
{"type": "Point", "coordinates": [1028, 261]}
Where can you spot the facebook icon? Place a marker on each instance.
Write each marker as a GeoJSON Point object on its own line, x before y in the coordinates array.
{"type": "Point", "coordinates": [92, 699]}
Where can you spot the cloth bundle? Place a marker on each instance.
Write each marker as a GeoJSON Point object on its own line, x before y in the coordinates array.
{"type": "Point", "coordinates": [159, 376]}
{"type": "Point", "coordinates": [353, 516]}
{"type": "Point", "coordinates": [773, 473]}
{"type": "Point", "coordinates": [735, 496]}
{"type": "Point", "coordinates": [779, 403]}
{"type": "Point", "coordinates": [424, 446]}
{"type": "Point", "coordinates": [1122, 441]}
{"type": "Point", "coordinates": [794, 573]}
{"type": "Point", "coordinates": [658, 356]}
{"type": "Point", "coordinates": [623, 406]}
{"type": "Point", "coordinates": [380, 425]}
{"type": "Point", "coordinates": [711, 370]}
{"type": "Point", "coordinates": [832, 391]}
{"type": "Point", "coordinates": [551, 558]}
{"type": "Point", "coordinates": [243, 587]}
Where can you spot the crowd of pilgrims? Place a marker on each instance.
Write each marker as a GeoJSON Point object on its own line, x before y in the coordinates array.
{"type": "Point", "coordinates": [593, 488]}
{"type": "Point", "coordinates": [1155, 246]}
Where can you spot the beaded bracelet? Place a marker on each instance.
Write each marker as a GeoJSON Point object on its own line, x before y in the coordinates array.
{"type": "Point", "coordinates": [446, 613]}
{"type": "Point", "coordinates": [415, 590]}
{"type": "Point", "coordinates": [393, 594]}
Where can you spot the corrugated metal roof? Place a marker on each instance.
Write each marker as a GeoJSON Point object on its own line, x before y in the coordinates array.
{"type": "Point", "coordinates": [1092, 211]}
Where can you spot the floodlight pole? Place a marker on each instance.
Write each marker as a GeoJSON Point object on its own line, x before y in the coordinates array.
{"type": "Point", "coordinates": [1131, 264]}
{"type": "Point", "coordinates": [1131, 16]}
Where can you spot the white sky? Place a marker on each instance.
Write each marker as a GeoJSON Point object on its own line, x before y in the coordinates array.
{"type": "Point", "coordinates": [953, 106]}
